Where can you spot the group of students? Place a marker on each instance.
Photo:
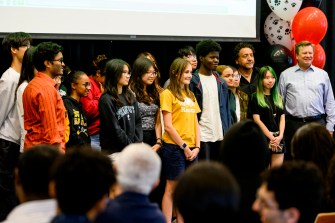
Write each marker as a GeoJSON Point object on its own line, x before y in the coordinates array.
{"type": "Point", "coordinates": [121, 104]}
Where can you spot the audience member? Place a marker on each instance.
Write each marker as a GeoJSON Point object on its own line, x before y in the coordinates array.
{"type": "Point", "coordinates": [14, 46]}
{"type": "Point", "coordinates": [238, 100]}
{"type": "Point", "coordinates": [32, 178]}
{"type": "Point", "coordinates": [181, 137]}
{"type": "Point", "coordinates": [79, 87]}
{"type": "Point", "coordinates": [307, 93]}
{"type": "Point", "coordinates": [312, 142]}
{"type": "Point", "coordinates": [138, 169]}
{"type": "Point", "coordinates": [244, 58]}
{"type": "Point", "coordinates": [211, 92]}
{"type": "Point", "coordinates": [291, 193]}
{"type": "Point", "coordinates": [330, 186]}
{"type": "Point", "coordinates": [245, 152]}
{"type": "Point", "coordinates": [207, 192]}
{"type": "Point", "coordinates": [90, 102]}
{"type": "Point", "coordinates": [28, 72]}
{"type": "Point", "coordinates": [82, 179]}
{"type": "Point", "coordinates": [188, 53]}
{"type": "Point", "coordinates": [266, 108]}
{"type": "Point", "coordinates": [120, 118]}
{"type": "Point", "coordinates": [43, 106]}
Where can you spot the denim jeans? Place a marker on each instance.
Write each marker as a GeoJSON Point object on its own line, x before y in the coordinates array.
{"type": "Point", "coordinates": [95, 142]}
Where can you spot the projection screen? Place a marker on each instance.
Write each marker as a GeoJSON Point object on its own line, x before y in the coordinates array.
{"type": "Point", "coordinates": [133, 19]}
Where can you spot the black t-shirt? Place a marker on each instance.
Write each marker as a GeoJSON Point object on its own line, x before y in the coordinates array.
{"type": "Point", "coordinates": [269, 116]}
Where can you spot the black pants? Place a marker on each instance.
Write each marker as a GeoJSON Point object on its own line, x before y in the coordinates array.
{"type": "Point", "coordinates": [9, 155]}
{"type": "Point", "coordinates": [156, 195]}
{"type": "Point", "coordinates": [291, 126]}
{"type": "Point", "coordinates": [210, 150]}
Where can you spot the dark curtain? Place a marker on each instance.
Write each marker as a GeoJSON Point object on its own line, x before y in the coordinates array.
{"type": "Point", "coordinates": [328, 43]}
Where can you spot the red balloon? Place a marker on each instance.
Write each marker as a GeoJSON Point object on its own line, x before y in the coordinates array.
{"type": "Point", "coordinates": [319, 59]}
{"type": "Point", "coordinates": [319, 56]}
{"type": "Point", "coordinates": [309, 24]}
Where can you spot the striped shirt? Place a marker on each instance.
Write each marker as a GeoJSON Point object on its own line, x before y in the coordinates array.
{"type": "Point", "coordinates": [44, 112]}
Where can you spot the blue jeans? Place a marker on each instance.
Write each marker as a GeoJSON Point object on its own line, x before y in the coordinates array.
{"type": "Point", "coordinates": [95, 142]}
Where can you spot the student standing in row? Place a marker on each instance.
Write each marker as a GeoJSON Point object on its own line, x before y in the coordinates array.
{"type": "Point", "coordinates": [91, 101]}
{"type": "Point", "coordinates": [27, 74]}
{"type": "Point", "coordinates": [120, 118]}
{"type": "Point", "coordinates": [181, 137]}
{"type": "Point", "coordinates": [15, 45]}
{"type": "Point", "coordinates": [211, 92]}
{"type": "Point", "coordinates": [266, 107]}
{"type": "Point", "coordinates": [44, 117]}
{"type": "Point", "coordinates": [79, 87]}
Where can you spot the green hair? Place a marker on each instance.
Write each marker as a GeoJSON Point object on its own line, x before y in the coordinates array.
{"type": "Point", "coordinates": [274, 92]}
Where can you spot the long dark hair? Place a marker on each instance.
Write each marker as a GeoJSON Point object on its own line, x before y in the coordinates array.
{"type": "Point", "coordinates": [27, 70]}
{"type": "Point", "coordinates": [113, 72]}
{"type": "Point", "coordinates": [140, 67]}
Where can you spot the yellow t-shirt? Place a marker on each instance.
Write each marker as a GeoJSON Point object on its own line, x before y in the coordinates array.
{"type": "Point", "coordinates": [184, 117]}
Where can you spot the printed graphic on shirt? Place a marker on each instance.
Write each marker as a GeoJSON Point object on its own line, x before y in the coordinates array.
{"type": "Point", "coordinates": [125, 110]}
{"type": "Point", "coordinates": [187, 105]}
{"type": "Point", "coordinates": [78, 119]}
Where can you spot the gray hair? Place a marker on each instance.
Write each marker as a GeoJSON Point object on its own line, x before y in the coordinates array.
{"type": "Point", "coordinates": [138, 168]}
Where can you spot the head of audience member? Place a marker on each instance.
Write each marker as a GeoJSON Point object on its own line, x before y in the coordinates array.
{"type": "Point", "coordinates": [245, 149]}
{"type": "Point", "coordinates": [207, 192]}
{"type": "Point", "coordinates": [188, 53]}
{"type": "Point", "coordinates": [208, 52]}
{"type": "Point", "coordinates": [14, 46]}
{"type": "Point", "coordinates": [330, 184]}
{"type": "Point", "coordinates": [32, 175]}
{"type": "Point", "coordinates": [79, 84]}
{"type": "Point", "coordinates": [304, 53]}
{"type": "Point", "coordinates": [291, 193]}
{"type": "Point", "coordinates": [48, 58]}
{"type": "Point", "coordinates": [82, 179]}
{"type": "Point", "coordinates": [28, 70]}
{"type": "Point", "coordinates": [180, 77]}
{"type": "Point", "coordinates": [312, 142]}
{"type": "Point", "coordinates": [138, 168]}
{"type": "Point", "coordinates": [230, 75]}
{"type": "Point", "coordinates": [244, 56]}
{"type": "Point", "coordinates": [142, 80]}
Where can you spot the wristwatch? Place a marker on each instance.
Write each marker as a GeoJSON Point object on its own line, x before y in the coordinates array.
{"type": "Point", "coordinates": [183, 146]}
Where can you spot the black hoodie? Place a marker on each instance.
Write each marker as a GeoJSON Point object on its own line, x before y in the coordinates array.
{"type": "Point", "coordinates": [78, 123]}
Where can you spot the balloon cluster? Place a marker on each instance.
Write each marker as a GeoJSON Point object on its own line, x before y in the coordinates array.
{"type": "Point", "coordinates": [290, 22]}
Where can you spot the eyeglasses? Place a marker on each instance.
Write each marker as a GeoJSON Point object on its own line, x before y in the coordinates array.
{"type": "Point", "coordinates": [154, 74]}
{"type": "Point", "coordinates": [236, 76]}
{"type": "Point", "coordinates": [61, 60]}
{"type": "Point", "coordinates": [126, 73]}
{"type": "Point", "coordinates": [86, 84]}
